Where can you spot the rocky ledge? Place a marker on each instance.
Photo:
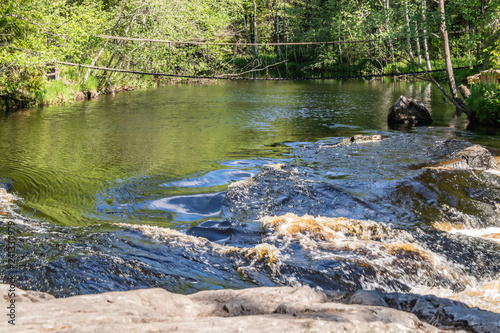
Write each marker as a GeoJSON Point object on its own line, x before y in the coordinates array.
{"type": "Point", "coordinates": [265, 309]}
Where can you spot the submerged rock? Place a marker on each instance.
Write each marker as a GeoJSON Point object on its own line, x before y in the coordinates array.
{"type": "Point", "coordinates": [271, 309]}
{"type": "Point", "coordinates": [407, 112]}
{"type": "Point", "coordinates": [279, 189]}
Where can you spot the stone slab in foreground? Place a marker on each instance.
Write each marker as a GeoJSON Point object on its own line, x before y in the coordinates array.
{"type": "Point", "coordinates": [275, 309]}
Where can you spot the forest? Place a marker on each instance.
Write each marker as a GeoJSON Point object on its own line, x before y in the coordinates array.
{"type": "Point", "coordinates": [239, 39]}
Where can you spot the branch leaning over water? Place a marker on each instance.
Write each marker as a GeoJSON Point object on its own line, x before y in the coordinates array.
{"type": "Point", "coordinates": [459, 104]}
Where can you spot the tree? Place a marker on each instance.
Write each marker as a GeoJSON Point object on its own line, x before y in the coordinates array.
{"type": "Point", "coordinates": [36, 33]}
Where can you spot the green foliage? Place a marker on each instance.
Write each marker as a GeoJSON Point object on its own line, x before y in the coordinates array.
{"type": "Point", "coordinates": [492, 51]}
{"type": "Point", "coordinates": [485, 100]}
{"type": "Point", "coordinates": [35, 33]}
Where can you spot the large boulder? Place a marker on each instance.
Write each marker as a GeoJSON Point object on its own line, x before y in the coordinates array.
{"type": "Point", "coordinates": [408, 112]}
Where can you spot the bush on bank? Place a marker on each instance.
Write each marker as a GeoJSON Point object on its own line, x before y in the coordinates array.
{"type": "Point", "coordinates": [485, 100]}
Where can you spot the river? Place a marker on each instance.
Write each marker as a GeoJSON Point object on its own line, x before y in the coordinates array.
{"type": "Point", "coordinates": [195, 187]}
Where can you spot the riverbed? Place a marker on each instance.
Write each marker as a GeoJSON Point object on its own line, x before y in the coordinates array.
{"type": "Point", "coordinates": [245, 184]}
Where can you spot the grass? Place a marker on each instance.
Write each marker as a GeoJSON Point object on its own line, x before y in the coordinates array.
{"type": "Point", "coordinates": [69, 85]}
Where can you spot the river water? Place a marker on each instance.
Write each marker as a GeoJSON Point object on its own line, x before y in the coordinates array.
{"type": "Point", "coordinates": [244, 184]}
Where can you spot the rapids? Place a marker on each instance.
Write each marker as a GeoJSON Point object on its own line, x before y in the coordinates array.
{"type": "Point", "coordinates": [241, 185]}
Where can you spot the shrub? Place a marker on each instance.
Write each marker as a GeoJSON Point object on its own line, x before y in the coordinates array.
{"type": "Point", "coordinates": [485, 100]}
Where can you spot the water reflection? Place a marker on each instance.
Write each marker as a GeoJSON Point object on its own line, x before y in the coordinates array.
{"type": "Point", "coordinates": [60, 157]}
{"type": "Point", "coordinates": [191, 207]}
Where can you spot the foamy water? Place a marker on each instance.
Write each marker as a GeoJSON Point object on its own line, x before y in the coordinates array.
{"type": "Point", "coordinates": [7, 202]}
{"type": "Point", "coordinates": [388, 251]}
{"type": "Point", "coordinates": [484, 295]}
{"type": "Point", "coordinates": [391, 254]}
{"type": "Point", "coordinates": [491, 233]}
{"type": "Point", "coordinates": [288, 225]}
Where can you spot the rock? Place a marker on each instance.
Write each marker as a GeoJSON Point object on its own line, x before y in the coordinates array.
{"type": "Point", "coordinates": [474, 79]}
{"type": "Point", "coordinates": [407, 112]}
{"type": "Point", "coordinates": [364, 297]}
{"type": "Point", "coordinates": [490, 76]}
{"type": "Point", "coordinates": [361, 139]}
{"type": "Point", "coordinates": [275, 309]}
{"type": "Point", "coordinates": [278, 188]}
{"type": "Point", "coordinates": [449, 314]}
{"type": "Point", "coordinates": [476, 157]}
{"type": "Point", "coordinates": [463, 155]}
{"type": "Point", "coordinates": [79, 96]}
{"type": "Point", "coordinates": [464, 91]}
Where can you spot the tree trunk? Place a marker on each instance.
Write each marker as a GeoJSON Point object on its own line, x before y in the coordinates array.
{"type": "Point", "coordinates": [87, 74]}
{"type": "Point", "coordinates": [251, 50]}
{"type": "Point", "coordinates": [426, 47]}
{"type": "Point", "coordinates": [408, 41]}
{"type": "Point", "coordinates": [459, 104]}
{"type": "Point", "coordinates": [387, 18]}
{"type": "Point", "coordinates": [419, 53]}
{"type": "Point", "coordinates": [446, 50]}
{"type": "Point", "coordinates": [278, 48]}
{"type": "Point", "coordinates": [256, 49]}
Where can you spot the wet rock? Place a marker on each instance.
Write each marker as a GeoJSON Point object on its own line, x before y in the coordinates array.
{"type": "Point", "coordinates": [280, 188]}
{"type": "Point", "coordinates": [466, 157]}
{"type": "Point", "coordinates": [407, 112]}
{"type": "Point", "coordinates": [361, 139]}
{"type": "Point", "coordinates": [449, 314]}
{"type": "Point", "coordinates": [446, 148]}
{"type": "Point", "coordinates": [476, 157]}
{"type": "Point", "coordinates": [276, 309]}
{"type": "Point", "coordinates": [212, 230]}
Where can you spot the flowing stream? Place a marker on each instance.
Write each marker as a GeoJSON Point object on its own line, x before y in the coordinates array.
{"type": "Point", "coordinates": [244, 184]}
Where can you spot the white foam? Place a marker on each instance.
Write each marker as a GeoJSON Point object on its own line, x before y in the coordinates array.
{"type": "Point", "coordinates": [483, 233]}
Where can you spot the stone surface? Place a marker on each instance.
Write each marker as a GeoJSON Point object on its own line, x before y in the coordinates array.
{"type": "Point", "coordinates": [463, 155]}
{"type": "Point", "coordinates": [445, 313]}
{"type": "Point", "coordinates": [476, 157]}
{"type": "Point", "coordinates": [361, 139]}
{"type": "Point", "coordinates": [265, 309]}
{"type": "Point", "coordinates": [407, 112]}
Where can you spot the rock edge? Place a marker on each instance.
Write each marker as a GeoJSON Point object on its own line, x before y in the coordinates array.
{"type": "Point", "coordinates": [263, 309]}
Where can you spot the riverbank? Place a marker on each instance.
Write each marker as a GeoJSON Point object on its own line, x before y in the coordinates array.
{"type": "Point", "coordinates": [264, 309]}
{"type": "Point", "coordinates": [68, 88]}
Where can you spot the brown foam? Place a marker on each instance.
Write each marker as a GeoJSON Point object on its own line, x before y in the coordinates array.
{"type": "Point", "coordinates": [446, 226]}
{"type": "Point", "coordinates": [7, 202]}
{"type": "Point", "coordinates": [266, 253]}
{"type": "Point", "coordinates": [324, 228]}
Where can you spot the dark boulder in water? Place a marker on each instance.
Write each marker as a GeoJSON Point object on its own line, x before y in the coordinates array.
{"type": "Point", "coordinates": [408, 112]}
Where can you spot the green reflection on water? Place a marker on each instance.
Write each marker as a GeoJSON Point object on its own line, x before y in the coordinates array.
{"type": "Point", "coordinates": [58, 158]}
